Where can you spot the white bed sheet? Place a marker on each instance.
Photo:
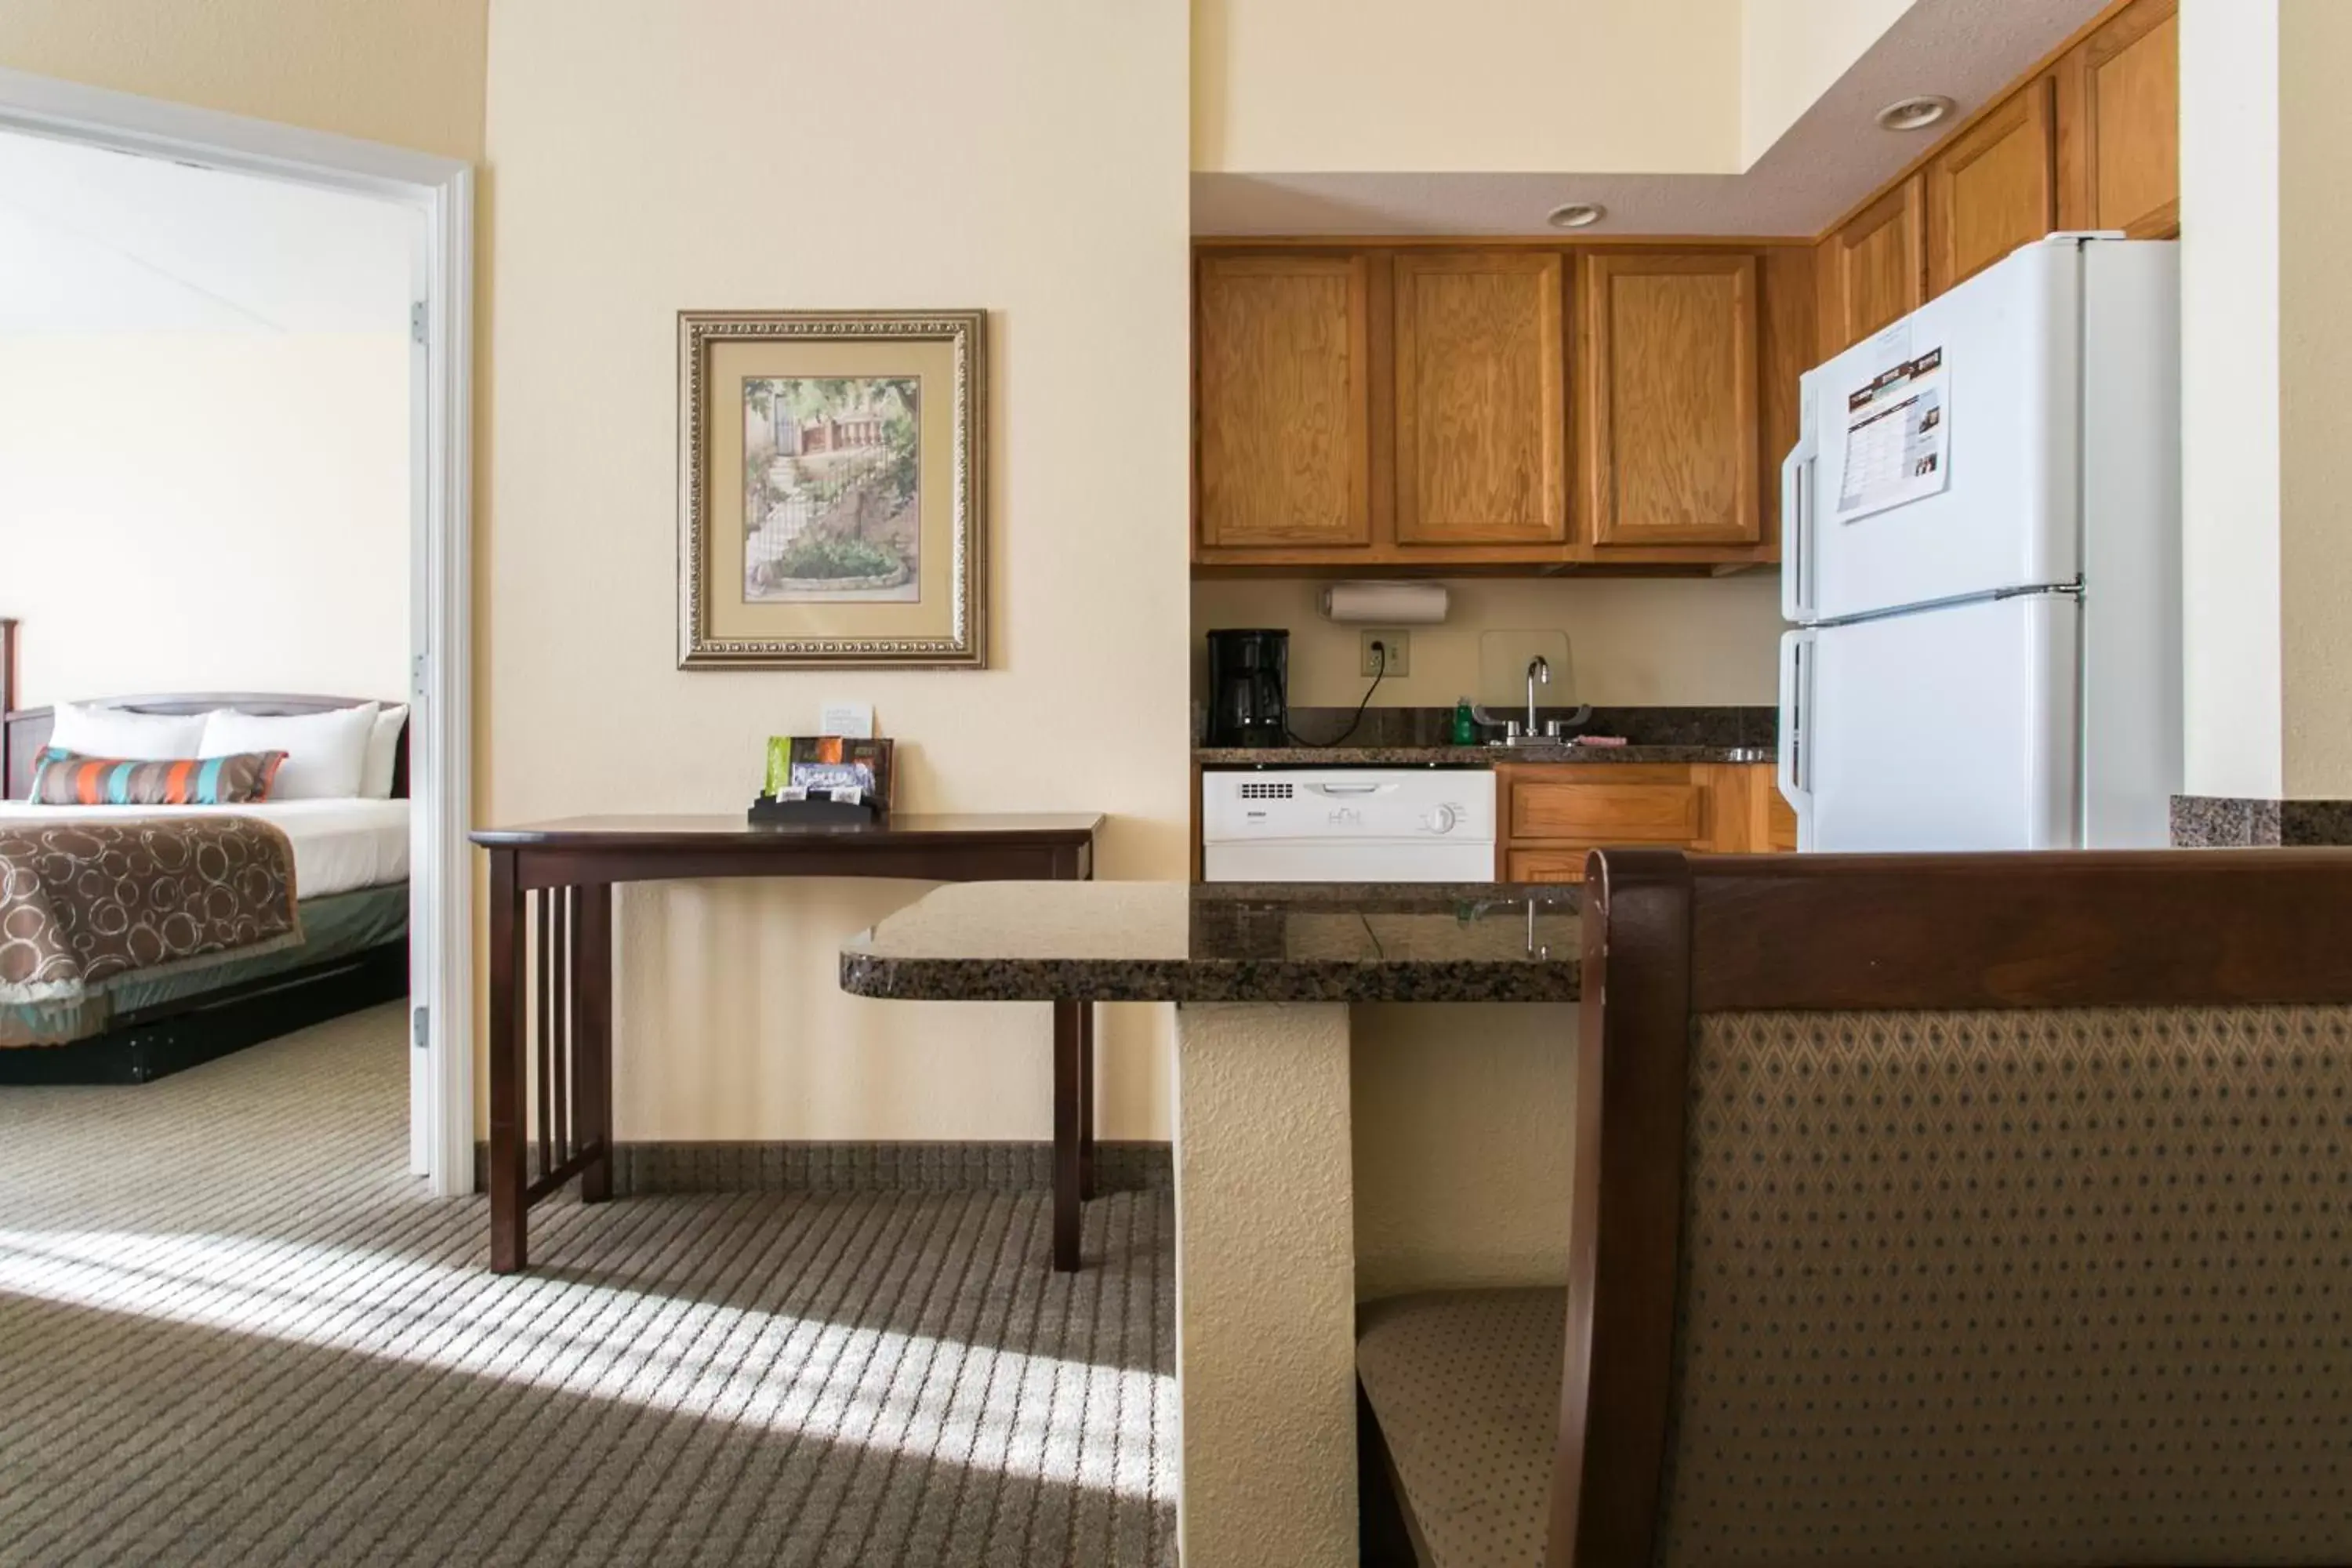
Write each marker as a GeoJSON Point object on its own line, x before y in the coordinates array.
{"type": "Point", "coordinates": [339, 846]}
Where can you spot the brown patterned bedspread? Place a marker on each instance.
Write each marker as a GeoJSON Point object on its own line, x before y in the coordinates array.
{"type": "Point", "coordinates": [83, 904]}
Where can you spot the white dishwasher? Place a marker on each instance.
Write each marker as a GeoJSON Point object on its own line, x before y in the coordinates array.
{"type": "Point", "coordinates": [1347, 825]}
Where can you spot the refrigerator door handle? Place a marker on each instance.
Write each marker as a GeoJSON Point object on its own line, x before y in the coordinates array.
{"type": "Point", "coordinates": [1796, 758]}
{"type": "Point", "coordinates": [1797, 585]}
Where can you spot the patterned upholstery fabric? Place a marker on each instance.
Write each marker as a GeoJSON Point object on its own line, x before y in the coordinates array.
{"type": "Point", "coordinates": [1465, 1386]}
{"type": "Point", "coordinates": [65, 778]}
{"type": "Point", "coordinates": [1999, 1289]}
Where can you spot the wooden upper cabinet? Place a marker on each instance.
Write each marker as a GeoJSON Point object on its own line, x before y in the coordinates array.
{"type": "Point", "coordinates": [1481, 425]}
{"type": "Point", "coordinates": [1993, 188]}
{"type": "Point", "coordinates": [1874, 271]}
{"type": "Point", "coordinates": [1283, 386]}
{"type": "Point", "coordinates": [1667, 399]}
{"type": "Point", "coordinates": [2123, 157]}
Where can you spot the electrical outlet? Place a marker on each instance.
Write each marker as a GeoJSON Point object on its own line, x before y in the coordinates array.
{"type": "Point", "coordinates": [1394, 658]}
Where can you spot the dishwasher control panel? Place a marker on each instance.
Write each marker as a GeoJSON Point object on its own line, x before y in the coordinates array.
{"type": "Point", "coordinates": [1342, 807]}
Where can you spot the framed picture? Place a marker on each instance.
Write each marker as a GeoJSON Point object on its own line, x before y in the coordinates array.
{"type": "Point", "coordinates": [832, 503]}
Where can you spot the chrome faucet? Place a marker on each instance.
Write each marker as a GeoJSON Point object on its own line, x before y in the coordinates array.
{"type": "Point", "coordinates": [1539, 672]}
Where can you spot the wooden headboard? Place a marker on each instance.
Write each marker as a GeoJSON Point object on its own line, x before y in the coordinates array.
{"type": "Point", "coordinates": [7, 694]}
{"type": "Point", "coordinates": [23, 732]}
{"type": "Point", "coordinates": [7, 683]}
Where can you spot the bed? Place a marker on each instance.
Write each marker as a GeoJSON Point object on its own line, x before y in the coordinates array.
{"type": "Point", "coordinates": [349, 861]}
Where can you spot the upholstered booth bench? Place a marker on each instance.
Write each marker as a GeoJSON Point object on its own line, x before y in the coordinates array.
{"type": "Point", "coordinates": [1985, 1210]}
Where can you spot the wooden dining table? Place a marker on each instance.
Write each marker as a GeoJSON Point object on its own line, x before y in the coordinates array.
{"type": "Point", "coordinates": [551, 1037]}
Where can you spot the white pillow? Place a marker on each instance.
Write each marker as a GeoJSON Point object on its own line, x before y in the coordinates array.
{"type": "Point", "coordinates": [383, 753]}
{"type": "Point", "coordinates": [326, 753]}
{"type": "Point", "coordinates": [95, 731]}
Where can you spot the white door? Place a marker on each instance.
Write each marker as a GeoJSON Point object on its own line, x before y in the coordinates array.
{"type": "Point", "coordinates": [1950, 729]}
{"type": "Point", "coordinates": [2001, 352]}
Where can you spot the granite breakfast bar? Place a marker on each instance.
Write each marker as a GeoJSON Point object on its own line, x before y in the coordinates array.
{"type": "Point", "coordinates": [1262, 977]}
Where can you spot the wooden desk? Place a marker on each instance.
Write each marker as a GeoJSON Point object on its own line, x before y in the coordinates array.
{"type": "Point", "coordinates": [556, 1058]}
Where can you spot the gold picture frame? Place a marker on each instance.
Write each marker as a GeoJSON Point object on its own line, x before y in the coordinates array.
{"type": "Point", "coordinates": [832, 505]}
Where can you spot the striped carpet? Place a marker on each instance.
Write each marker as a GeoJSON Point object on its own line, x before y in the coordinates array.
{"type": "Point", "coordinates": [232, 1330]}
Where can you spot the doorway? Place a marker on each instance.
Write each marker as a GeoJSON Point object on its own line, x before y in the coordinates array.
{"type": "Point", "coordinates": [439, 192]}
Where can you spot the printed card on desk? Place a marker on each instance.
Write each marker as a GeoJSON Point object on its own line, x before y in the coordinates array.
{"type": "Point", "coordinates": [826, 764]}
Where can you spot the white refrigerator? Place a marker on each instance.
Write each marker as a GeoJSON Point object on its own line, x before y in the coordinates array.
{"type": "Point", "coordinates": [1981, 557]}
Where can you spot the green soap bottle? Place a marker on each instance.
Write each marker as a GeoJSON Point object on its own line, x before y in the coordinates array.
{"type": "Point", "coordinates": [1465, 724]}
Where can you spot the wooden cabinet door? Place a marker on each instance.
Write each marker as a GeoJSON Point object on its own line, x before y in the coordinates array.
{"type": "Point", "coordinates": [1480, 417]}
{"type": "Point", "coordinates": [1746, 815]}
{"type": "Point", "coordinates": [1667, 357]}
{"type": "Point", "coordinates": [2124, 149]}
{"type": "Point", "coordinates": [1993, 188]}
{"type": "Point", "coordinates": [1874, 270]}
{"type": "Point", "coordinates": [1606, 803]}
{"type": "Point", "coordinates": [1282, 401]}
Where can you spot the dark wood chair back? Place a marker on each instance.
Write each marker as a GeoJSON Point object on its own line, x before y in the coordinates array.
{"type": "Point", "coordinates": [2182, 977]}
{"type": "Point", "coordinates": [24, 732]}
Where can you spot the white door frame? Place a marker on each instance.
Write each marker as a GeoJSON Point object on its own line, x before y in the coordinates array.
{"type": "Point", "coordinates": [440, 749]}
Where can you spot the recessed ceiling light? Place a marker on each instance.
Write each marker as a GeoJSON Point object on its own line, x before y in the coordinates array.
{"type": "Point", "coordinates": [1914, 113]}
{"type": "Point", "coordinates": [1576, 215]}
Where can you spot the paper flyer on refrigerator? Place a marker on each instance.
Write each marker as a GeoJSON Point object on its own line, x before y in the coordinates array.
{"type": "Point", "coordinates": [1897, 437]}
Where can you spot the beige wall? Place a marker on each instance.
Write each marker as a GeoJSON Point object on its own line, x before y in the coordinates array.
{"type": "Point", "coordinates": [1463, 1122]}
{"type": "Point", "coordinates": [1791, 51]}
{"type": "Point", "coordinates": [1588, 86]}
{"type": "Point", "coordinates": [217, 512]}
{"type": "Point", "coordinates": [2315, 371]}
{"type": "Point", "coordinates": [1595, 86]}
{"type": "Point", "coordinates": [1028, 157]}
{"type": "Point", "coordinates": [404, 72]}
{"type": "Point", "coordinates": [1634, 641]}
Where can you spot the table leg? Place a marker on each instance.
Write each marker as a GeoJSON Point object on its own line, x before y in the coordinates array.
{"type": "Point", "coordinates": [592, 1032]}
{"type": "Point", "coordinates": [1086, 1188]}
{"type": "Point", "coordinates": [509, 1203]}
{"type": "Point", "coordinates": [1070, 1042]}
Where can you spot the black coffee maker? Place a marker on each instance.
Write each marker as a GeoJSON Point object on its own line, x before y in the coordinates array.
{"type": "Point", "coordinates": [1249, 672]}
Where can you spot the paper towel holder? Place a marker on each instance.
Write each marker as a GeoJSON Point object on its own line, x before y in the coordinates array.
{"type": "Point", "coordinates": [1383, 603]}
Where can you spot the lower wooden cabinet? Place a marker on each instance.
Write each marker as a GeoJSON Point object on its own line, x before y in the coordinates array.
{"type": "Point", "coordinates": [1543, 866]}
{"type": "Point", "coordinates": [1606, 803]}
{"type": "Point", "coordinates": [1553, 812]}
{"type": "Point", "coordinates": [1750, 815]}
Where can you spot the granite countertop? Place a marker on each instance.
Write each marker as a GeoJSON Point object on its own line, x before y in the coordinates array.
{"type": "Point", "coordinates": [1172, 942]}
{"type": "Point", "coordinates": [1466, 756]}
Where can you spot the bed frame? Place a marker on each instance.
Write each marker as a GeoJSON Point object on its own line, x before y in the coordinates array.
{"type": "Point", "coordinates": [147, 1045]}
{"type": "Point", "coordinates": [8, 688]}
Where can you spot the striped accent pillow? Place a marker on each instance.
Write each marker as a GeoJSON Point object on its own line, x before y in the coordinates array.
{"type": "Point", "coordinates": [65, 778]}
